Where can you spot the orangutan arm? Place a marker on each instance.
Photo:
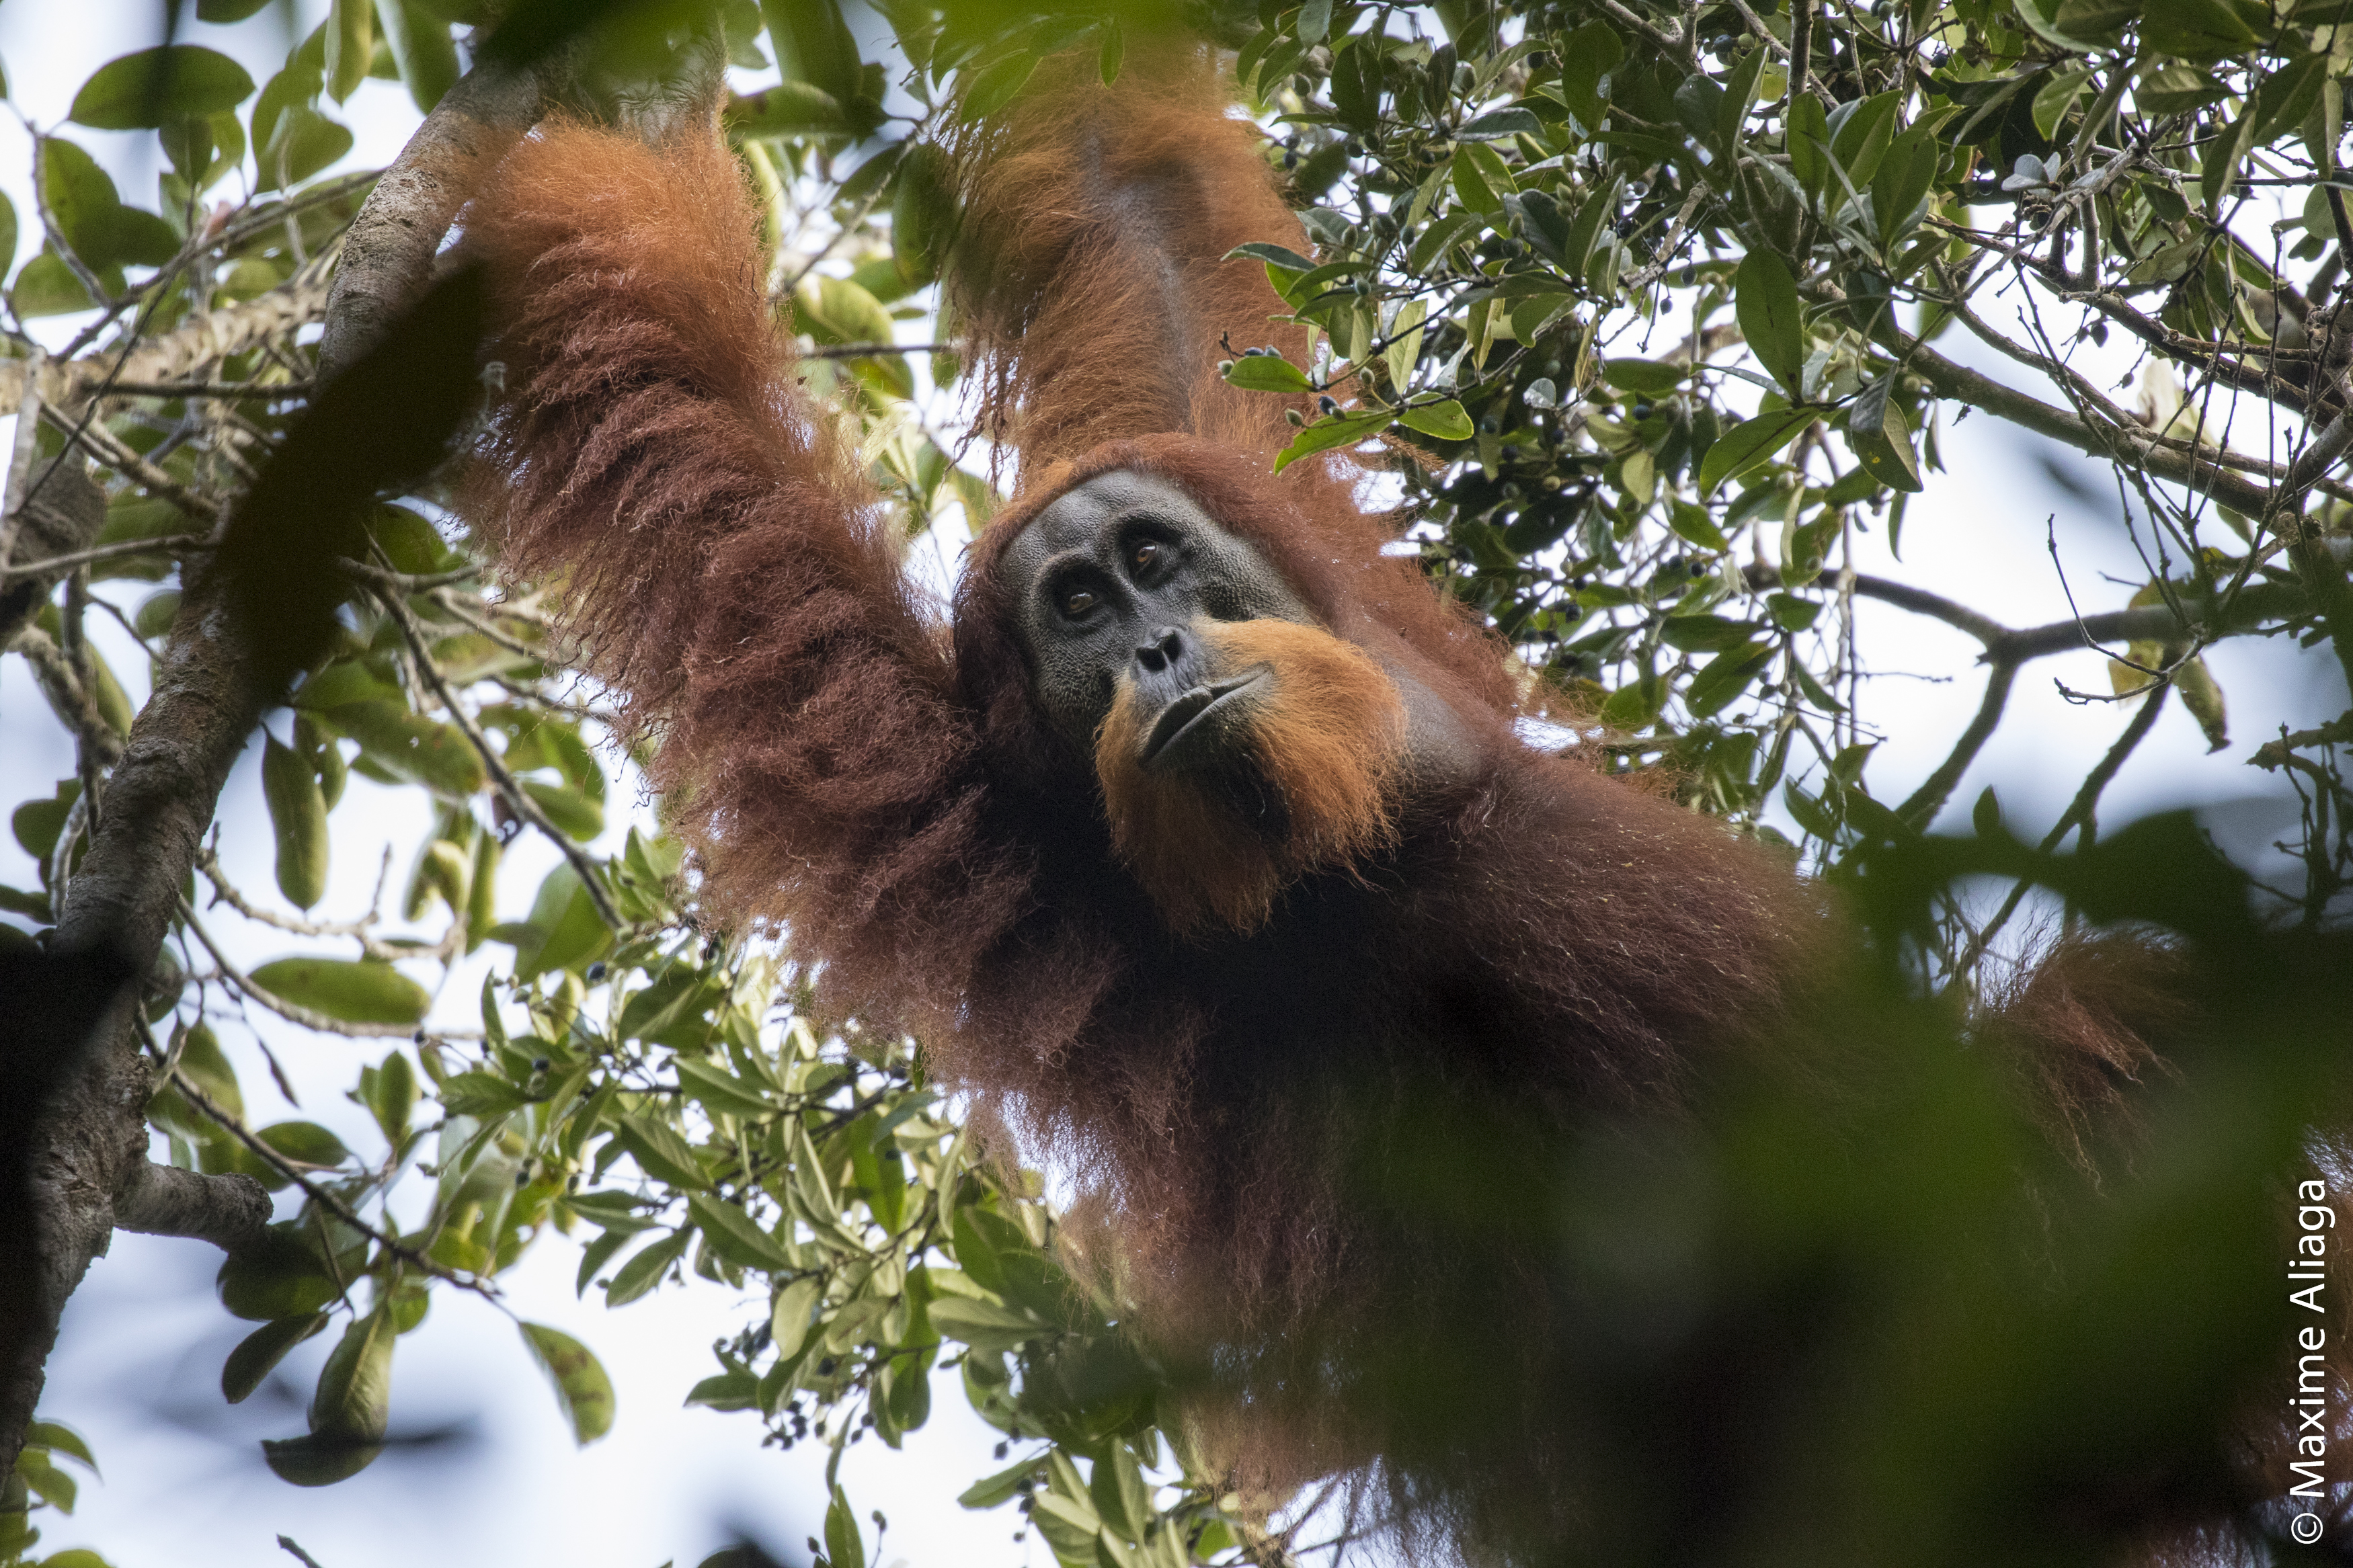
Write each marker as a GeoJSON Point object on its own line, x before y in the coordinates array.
{"type": "Point", "coordinates": [726, 566]}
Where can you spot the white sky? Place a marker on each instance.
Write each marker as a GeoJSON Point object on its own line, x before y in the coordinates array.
{"type": "Point", "coordinates": [144, 1337]}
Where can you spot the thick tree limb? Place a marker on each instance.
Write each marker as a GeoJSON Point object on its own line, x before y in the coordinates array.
{"type": "Point", "coordinates": [84, 1072]}
{"type": "Point", "coordinates": [200, 340]}
{"type": "Point", "coordinates": [230, 1211]}
{"type": "Point", "coordinates": [388, 255]}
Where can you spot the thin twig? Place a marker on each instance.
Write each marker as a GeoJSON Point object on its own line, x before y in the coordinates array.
{"type": "Point", "coordinates": [873, 350]}
{"type": "Point", "coordinates": [111, 451]}
{"type": "Point", "coordinates": [292, 1012]}
{"type": "Point", "coordinates": [1923, 804]}
{"type": "Point", "coordinates": [255, 391]}
{"type": "Point", "coordinates": [2080, 811]}
{"type": "Point", "coordinates": [2272, 754]}
{"type": "Point", "coordinates": [327, 1201]}
{"type": "Point", "coordinates": [450, 602]}
{"type": "Point", "coordinates": [52, 564]}
{"type": "Point", "coordinates": [519, 802]}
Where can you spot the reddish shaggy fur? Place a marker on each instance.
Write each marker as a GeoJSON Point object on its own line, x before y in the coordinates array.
{"type": "Point", "coordinates": [726, 564]}
{"type": "Point", "coordinates": [1092, 284]}
{"type": "Point", "coordinates": [1327, 738]}
{"type": "Point", "coordinates": [880, 781]}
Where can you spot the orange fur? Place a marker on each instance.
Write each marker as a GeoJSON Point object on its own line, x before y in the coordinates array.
{"type": "Point", "coordinates": [1091, 279]}
{"type": "Point", "coordinates": [1327, 738]}
{"type": "Point", "coordinates": [726, 566]}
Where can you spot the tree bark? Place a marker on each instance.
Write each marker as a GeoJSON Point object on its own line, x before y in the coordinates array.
{"type": "Point", "coordinates": [72, 1073]}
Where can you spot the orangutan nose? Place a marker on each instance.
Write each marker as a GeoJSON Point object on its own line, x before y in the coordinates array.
{"type": "Point", "coordinates": [1161, 654]}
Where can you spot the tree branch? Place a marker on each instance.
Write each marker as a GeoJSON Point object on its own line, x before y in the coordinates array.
{"type": "Point", "coordinates": [387, 258]}
{"type": "Point", "coordinates": [231, 1210]}
{"type": "Point", "coordinates": [1958, 383]}
{"type": "Point", "coordinates": [87, 1074]}
{"type": "Point", "coordinates": [1921, 808]}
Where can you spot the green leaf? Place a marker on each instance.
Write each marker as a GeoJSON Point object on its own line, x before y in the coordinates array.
{"type": "Point", "coordinates": [662, 1153]}
{"type": "Point", "coordinates": [319, 1461]}
{"type": "Point", "coordinates": [985, 1324]}
{"type": "Point", "coordinates": [844, 1548]}
{"type": "Point", "coordinates": [47, 287]}
{"type": "Point", "coordinates": [60, 1438]}
{"type": "Point", "coordinates": [1109, 55]}
{"type": "Point", "coordinates": [1692, 524]}
{"type": "Point", "coordinates": [1332, 430]}
{"type": "Point", "coordinates": [1445, 420]}
{"type": "Point", "coordinates": [355, 1395]}
{"type": "Point", "coordinates": [141, 91]}
{"type": "Point", "coordinates": [1314, 21]}
{"type": "Point", "coordinates": [422, 49]}
{"type": "Point", "coordinates": [564, 930]}
{"type": "Point", "coordinates": [1499, 123]}
{"type": "Point", "coordinates": [1808, 143]}
{"type": "Point", "coordinates": [1751, 442]}
{"type": "Point", "coordinates": [1587, 55]}
{"type": "Point", "coordinates": [645, 1268]}
{"type": "Point", "coordinates": [995, 88]}
{"type": "Point", "coordinates": [1864, 139]}
{"type": "Point", "coordinates": [1000, 1488]}
{"type": "Point", "coordinates": [261, 1350]}
{"type": "Point", "coordinates": [1903, 177]}
{"type": "Point", "coordinates": [46, 1481]}
{"type": "Point", "coordinates": [2195, 29]}
{"type": "Point", "coordinates": [305, 1144]}
{"type": "Point", "coordinates": [420, 750]}
{"type": "Point", "coordinates": [2218, 165]}
{"type": "Point", "coordinates": [2288, 95]}
{"type": "Point", "coordinates": [574, 815]}
{"type": "Point", "coordinates": [481, 1095]}
{"type": "Point", "coordinates": [1793, 614]}
{"type": "Point", "coordinates": [206, 1066]}
{"type": "Point", "coordinates": [351, 47]}
{"type": "Point", "coordinates": [1724, 679]}
{"type": "Point", "coordinates": [390, 1092]}
{"type": "Point", "coordinates": [1647, 376]}
{"type": "Point", "coordinates": [298, 818]}
{"type": "Point", "coordinates": [357, 990]}
{"type": "Point", "coordinates": [301, 143]}
{"type": "Point", "coordinates": [1266, 372]}
{"type": "Point", "coordinates": [1705, 633]}
{"type": "Point", "coordinates": [1481, 179]}
{"type": "Point", "coordinates": [720, 1092]}
{"type": "Point", "coordinates": [1119, 1493]}
{"type": "Point", "coordinates": [789, 1322]}
{"type": "Point", "coordinates": [2055, 96]}
{"type": "Point", "coordinates": [1768, 308]}
{"type": "Point", "coordinates": [922, 214]}
{"type": "Point", "coordinates": [581, 1385]}
{"type": "Point", "coordinates": [835, 310]}
{"type": "Point", "coordinates": [274, 1278]}
{"type": "Point", "coordinates": [732, 1234]}
{"type": "Point", "coordinates": [1881, 440]}
{"type": "Point", "coordinates": [1272, 255]}
{"type": "Point", "coordinates": [82, 202]}
{"type": "Point", "coordinates": [787, 109]}
{"type": "Point", "coordinates": [1404, 350]}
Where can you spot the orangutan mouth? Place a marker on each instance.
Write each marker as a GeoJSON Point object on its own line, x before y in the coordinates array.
{"type": "Point", "coordinates": [1191, 715]}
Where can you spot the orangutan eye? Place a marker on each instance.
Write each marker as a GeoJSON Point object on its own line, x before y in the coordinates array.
{"type": "Point", "coordinates": [1076, 601]}
{"type": "Point", "coordinates": [1142, 557]}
